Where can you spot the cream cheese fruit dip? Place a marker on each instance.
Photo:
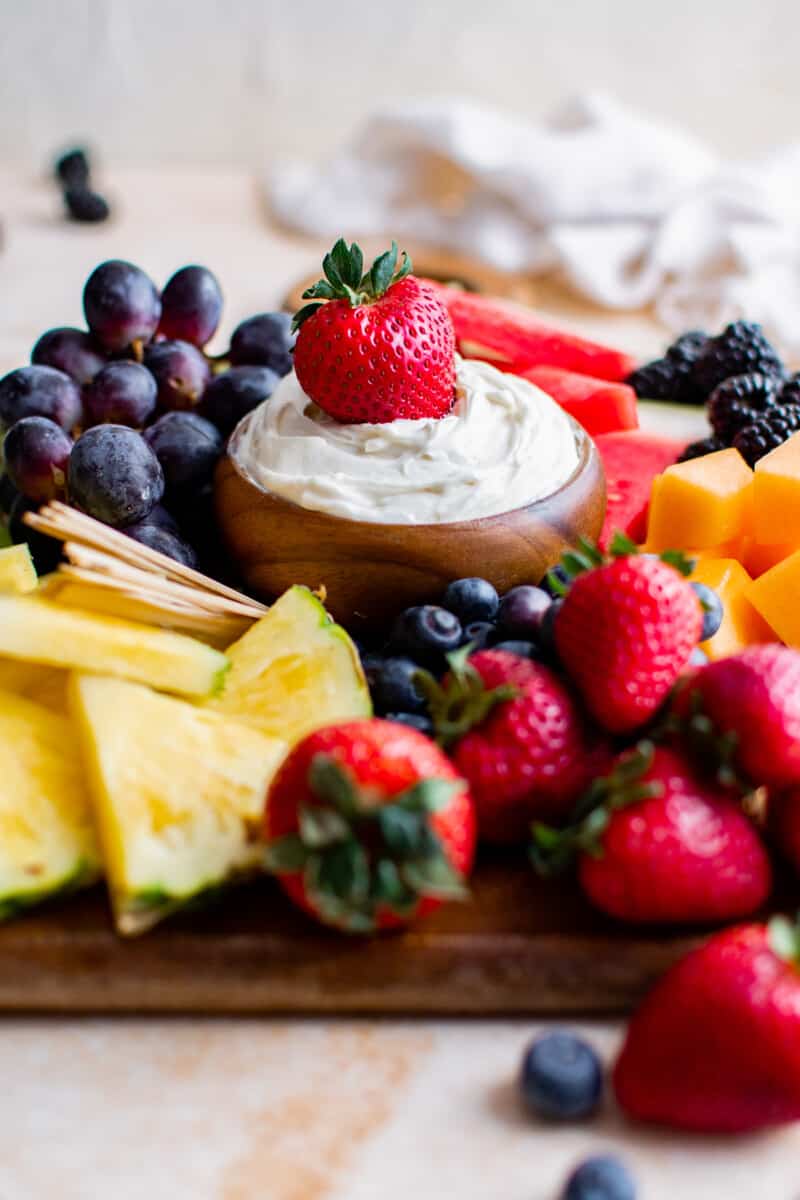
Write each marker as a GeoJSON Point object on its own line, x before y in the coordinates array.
{"type": "Point", "coordinates": [504, 445]}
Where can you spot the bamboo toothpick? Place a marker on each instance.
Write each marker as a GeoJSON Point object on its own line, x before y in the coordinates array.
{"type": "Point", "coordinates": [146, 582]}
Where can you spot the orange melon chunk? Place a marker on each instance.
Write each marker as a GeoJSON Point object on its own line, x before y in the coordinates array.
{"type": "Point", "coordinates": [776, 494]}
{"type": "Point", "coordinates": [701, 503]}
{"type": "Point", "coordinates": [741, 624]}
{"type": "Point", "coordinates": [758, 558]}
{"type": "Point", "coordinates": [775, 594]}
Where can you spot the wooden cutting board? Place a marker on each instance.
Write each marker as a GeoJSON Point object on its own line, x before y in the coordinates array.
{"type": "Point", "coordinates": [519, 946]}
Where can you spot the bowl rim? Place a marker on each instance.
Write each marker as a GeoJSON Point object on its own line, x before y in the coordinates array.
{"type": "Point", "coordinates": [587, 451]}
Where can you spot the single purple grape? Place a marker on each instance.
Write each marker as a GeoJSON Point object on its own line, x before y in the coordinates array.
{"type": "Point", "coordinates": [37, 451]}
{"type": "Point", "coordinates": [121, 304]}
{"type": "Point", "coordinates": [40, 391]}
{"type": "Point", "coordinates": [188, 448]}
{"type": "Point", "coordinates": [191, 306]}
{"type": "Point", "coordinates": [114, 476]}
{"type": "Point", "coordinates": [160, 539]}
{"type": "Point", "coordinates": [265, 340]}
{"type": "Point", "coordinates": [123, 393]}
{"type": "Point", "coordinates": [235, 393]}
{"type": "Point", "coordinates": [157, 516]}
{"type": "Point", "coordinates": [181, 373]}
{"type": "Point", "coordinates": [45, 551]}
{"type": "Point", "coordinates": [72, 351]}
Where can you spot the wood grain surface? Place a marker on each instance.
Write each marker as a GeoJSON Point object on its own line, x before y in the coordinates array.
{"type": "Point", "coordinates": [372, 571]}
{"type": "Point", "coordinates": [520, 945]}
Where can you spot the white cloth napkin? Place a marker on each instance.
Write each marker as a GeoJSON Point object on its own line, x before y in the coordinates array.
{"type": "Point", "coordinates": [632, 211]}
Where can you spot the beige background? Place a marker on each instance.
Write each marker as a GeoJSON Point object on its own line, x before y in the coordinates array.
{"type": "Point", "coordinates": [244, 80]}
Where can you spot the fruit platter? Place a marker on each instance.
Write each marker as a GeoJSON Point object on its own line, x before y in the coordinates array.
{"type": "Point", "coordinates": [384, 662]}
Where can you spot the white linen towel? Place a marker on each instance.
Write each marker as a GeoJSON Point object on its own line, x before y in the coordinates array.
{"type": "Point", "coordinates": [632, 211]}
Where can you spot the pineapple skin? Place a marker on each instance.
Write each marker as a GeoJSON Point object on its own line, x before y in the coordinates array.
{"type": "Point", "coordinates": [47, 838]}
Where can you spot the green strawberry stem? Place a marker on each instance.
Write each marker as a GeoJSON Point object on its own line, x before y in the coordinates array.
{"type": "Point", "coordinates": [588, 556]}
{"type": "Point", "coordinates": [345, 278]}
{"type": "Point", "coordinates": [710, 750]}
{"type": "Point", "coordinates": [463, 700]}
{"type": "Point", "coordinates": [553, 850]}
{"type": "Point", "coordinates": [358, 857]}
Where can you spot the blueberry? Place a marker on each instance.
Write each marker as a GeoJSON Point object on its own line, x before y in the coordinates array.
{"type": "Point", "coordinates": [471, 600]}
{"type": "Point", "coordinates": [393, 688]}
{"type": "Point", "coordinates": [521, 611]}
{"type": "Point", "coordinates": [712, 610]}
{"type": "Point", "coordinates": [479, 634]}
{"type": "Point", "coordinates": [698, 657]}
{"type": "Point", "coordinates": [82, 204]}
{"type": "Point", "coordinates": [560, 574]}
{"type": "Point", "coordinates": [562, 1077]}
{"type": "Point", "coordinates": [426, 633]}
{"type": "Point", "coordinates": [413, 720]}
{"type": "Point", "coordinates": [601, 1177]}
{"type": "Point", "coordinates": [521, 649]}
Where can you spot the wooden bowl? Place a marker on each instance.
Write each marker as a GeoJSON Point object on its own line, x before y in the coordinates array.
{"type": "Point", "coordinates": [371, 572]}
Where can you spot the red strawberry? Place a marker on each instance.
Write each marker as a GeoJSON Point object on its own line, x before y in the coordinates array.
{"type": "Point", "coordinates": [368, 826]}
{"type": "Point", "coordinates": [625, 632]}
{"type": "Point", "coordinates": [375, 347]}
{"type": "Point", "coordinates": [783, 815]}
{"type": "Point", "coordinates": [517, 737]}
{"type": "Point", "coordinates": [753, 700]}
{"type": "Point", "coordinates": [663, 845]}
{"type": "Point", "coordinates": [715, 1047]}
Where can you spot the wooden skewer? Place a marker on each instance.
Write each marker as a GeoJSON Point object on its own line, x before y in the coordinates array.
{"type": "Point", "coordinates": [69, 525]}
{"type": "Point", "coordinates": [123, 576]}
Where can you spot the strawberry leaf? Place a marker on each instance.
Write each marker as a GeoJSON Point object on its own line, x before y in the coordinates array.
{"type": "Point", "coordinates": [303, 314]}
{"type": "Point", "coordinates": [382, 271]}
{"type": "Point", "coordinates": [285, 855]}
{"type": "Point", "coordinates": [677, 559]}
{"type": "Point", "coordinates": [783, 937]}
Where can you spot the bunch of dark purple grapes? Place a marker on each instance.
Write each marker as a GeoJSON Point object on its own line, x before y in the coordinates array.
{"type": "Point", "coordinates": [127, 419]}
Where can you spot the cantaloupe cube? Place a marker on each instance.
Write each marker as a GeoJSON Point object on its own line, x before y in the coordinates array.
{"type": "Point", "coordinates": [776, 595]}
{"type": "Point", "coordinates": [704, 502]}
{"type": "Point", "coordinates": [776, 494]}
{"type": "Point", "coordinates": [741, 624]}
{"type": "Point", "coordinates": [757, 558]}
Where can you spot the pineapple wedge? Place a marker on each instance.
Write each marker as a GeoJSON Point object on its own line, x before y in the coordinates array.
{"type": "Point", "coordinates": [294, 671]}
{"type": "Point", "coordinates": [47, 838]}
{"type": "Point", "coordinates": [17, 572]}
{"type": "Point", "coordinates": [38, 631]}
{"type": "Point", "coordinates": [178, 792]}
{"type": "Point", "coordinates": [45, 685]}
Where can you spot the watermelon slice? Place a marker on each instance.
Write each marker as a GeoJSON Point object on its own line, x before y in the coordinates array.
{"type": "Point", "coordinates": [599, 406]}
{"type": "Point", "coordinates": [632, 460]}
{"type": "Point", "coordinates": [505, 334]}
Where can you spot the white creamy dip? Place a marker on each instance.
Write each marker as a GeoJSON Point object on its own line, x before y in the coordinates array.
{"type": "Point", "coordinates": [504, 445]}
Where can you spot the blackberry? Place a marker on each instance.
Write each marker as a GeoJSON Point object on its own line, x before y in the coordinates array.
{"type": "Point", "coordinates": [790, 392]}
{"type": "Point", "coordinates": [741, 349]}
{"type": "Point", "coordinates": [706, 446]}
{"type": "Point", "coordinates": [769, 431]}
{"type": "Point", "coordinates": [656, 380]}
{"type": "Point", "coordinates": [684, 353]}
{"type": "Point", "coordinates": [739, 401]}
{"type": "Point", "coordinates": [688, 347]}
